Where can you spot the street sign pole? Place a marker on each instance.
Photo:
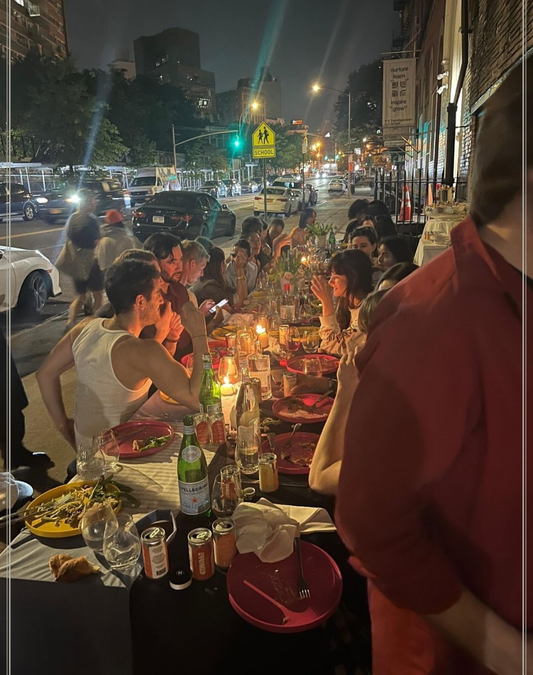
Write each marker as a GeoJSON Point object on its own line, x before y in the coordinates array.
{"type": "Point", "coordinates": [265, 209]}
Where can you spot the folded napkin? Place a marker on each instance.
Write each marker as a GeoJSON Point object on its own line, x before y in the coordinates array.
{"type": "Point", "coordinates": [268, 530]}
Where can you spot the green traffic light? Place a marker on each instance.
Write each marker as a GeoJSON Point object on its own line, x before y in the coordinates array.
{"type": "Point", "coordinates": [237, 142]}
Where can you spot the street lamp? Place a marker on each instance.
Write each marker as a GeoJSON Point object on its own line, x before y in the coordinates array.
{"type": "Point", "coordinates": [251, 106]}
{"type": "Point", "coordinates": [318, 87]}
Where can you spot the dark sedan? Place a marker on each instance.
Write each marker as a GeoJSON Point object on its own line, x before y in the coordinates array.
{"type": "Point", "coordinates": [22, 202]}
{"type": "Point", "coordinates": [62, 201]}
{"type": "Point", "coordinates": [215, 188]}
{"type": "Point", "coordinates": [186, 214]}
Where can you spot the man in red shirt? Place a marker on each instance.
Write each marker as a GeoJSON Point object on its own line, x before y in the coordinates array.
{"type": "Point", "coordinates": [430, 495]}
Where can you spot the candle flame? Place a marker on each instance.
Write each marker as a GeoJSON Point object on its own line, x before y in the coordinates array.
{"type": "Point", "coordinates": [226, 379]}
{"type": "Point", "coordinates": [260, 329]}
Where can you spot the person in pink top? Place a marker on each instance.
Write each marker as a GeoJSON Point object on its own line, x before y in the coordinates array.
{"type": "Point", "coordinates": [430, 493]}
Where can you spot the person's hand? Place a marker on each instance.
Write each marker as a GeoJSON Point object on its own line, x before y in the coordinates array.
{"type": "Point", "coordinates": [162, 327]}
{"type": "Point", "coordinates": [239, 262]}
{"type": "Point", "coordinates": [308, 384]}
{"type": "Point", "coordinates": [322, 291]}
{"type": "Point", "coordinates": [176, 328]}
{"type": "Point", "coordinates": [193, 320]}
{"type": "Point", "coordinates": [280, 241]}
{"type": "Point", "coordinates": [68, 433]}
{"type": "Point", "coordinates": [206, 306]}
{"type": "Point", "coordinates": [218, 319]}
{"type": "Point", "coordinates": [347, 374]}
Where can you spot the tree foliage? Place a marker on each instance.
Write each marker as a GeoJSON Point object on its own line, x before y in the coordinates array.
{"type": "Point", "coordinates": [288, 149]}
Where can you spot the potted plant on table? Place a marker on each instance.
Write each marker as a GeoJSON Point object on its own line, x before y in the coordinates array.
{"type": "Point", "coordinates": [320, 232]}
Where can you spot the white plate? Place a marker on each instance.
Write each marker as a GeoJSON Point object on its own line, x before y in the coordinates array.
{"type": "Point", "coordinates": [158, 219]}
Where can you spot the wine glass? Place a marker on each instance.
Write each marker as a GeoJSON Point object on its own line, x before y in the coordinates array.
{"type": "Point", "coordinates": [122, 544]}
{"type": "Point", "coordinates": [312, 366]}
{"type": "Point", "coordinates": [293, 339]}
{"type": "Point", "coordinates": [310, 341]}
{"type": "Point", "coordinates": [107, 443]}
{"type": "Point", "coordinates": [90, 462]}
{"type": "Point", "coordinates": [92, 525]}
{"type": "Point", "coordinates": [226, 495]}
{"type": "Point", "coordinates": [228, 367]}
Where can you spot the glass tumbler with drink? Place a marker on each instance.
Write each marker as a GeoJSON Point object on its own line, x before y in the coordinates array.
{"type": "Point", "coordinates": [247, 450]}
{"type": "Point", "coordinates": [93, 523]}
{"type": "Point", "coordinates": [122, 544]}
{"type": "Point", "coordinates": [259, 365]}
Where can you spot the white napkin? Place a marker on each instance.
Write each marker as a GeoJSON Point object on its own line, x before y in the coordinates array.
{"type": "Point", "coordinates": [268, 530]}
{"type": "Point", "coordinates": [240, 319]}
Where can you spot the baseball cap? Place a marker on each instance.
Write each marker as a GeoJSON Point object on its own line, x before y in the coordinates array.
{"type": "Point", "coordinates": [113, 217]}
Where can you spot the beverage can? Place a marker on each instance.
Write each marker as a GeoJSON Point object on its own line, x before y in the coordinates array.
{"type": "Point", "coordinates": [155, 552]}
{"type": "Point", "coordinates": [218, 428]}
{"type": "Point", "coordinates": [290, 380]}
{"type": "Point", "coordinates": [201, 560]}
{"type": "Point", "coordinates": [202, 429]}
{"type": "Point", "coordinates": [224, 542]}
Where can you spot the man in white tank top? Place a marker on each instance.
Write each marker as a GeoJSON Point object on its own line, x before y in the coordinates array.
{"type": "Point", "coordinates": [114, 367]}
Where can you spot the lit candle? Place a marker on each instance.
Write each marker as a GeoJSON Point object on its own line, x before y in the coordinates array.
{"type": "Point", "coordinates": [303, 260]}
{"type": "Point", "coordinates": [262, 336]}
{"type": "Point", "coordinates": [227, 389]}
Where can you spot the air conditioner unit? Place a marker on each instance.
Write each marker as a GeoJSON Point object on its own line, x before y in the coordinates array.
{"type": "Point", "coordinates": [33, 10]}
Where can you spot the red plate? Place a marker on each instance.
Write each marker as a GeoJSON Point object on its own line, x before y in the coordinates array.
{"type": "Point", "coordinates": [217, 348]}
{"type": "Point", "coordinates": [319, 415]}
{"type": "Point", "coordinates": [329, 363]}
{"type": "Point", "coordinates": [140, 431]}
{"type": "Point", "coordinates": [279, 581]}
{"type": "Point", "coordinates": [284, 465]}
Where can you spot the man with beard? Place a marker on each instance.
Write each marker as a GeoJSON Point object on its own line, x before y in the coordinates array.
{"type": "Point", "coordinates": [114, 367]}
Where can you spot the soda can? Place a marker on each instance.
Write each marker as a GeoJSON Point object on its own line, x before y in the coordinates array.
{"type": "Point", "coordinates": [218, 428]}
{"type": "Point", "coordinates": [202, 429]}
{"type": "Point", "coordinates": [155, 552]}
{"type": "Point", "coordinates": [201, 560]}
{"type": "Point", "coordinates": [225, 542]}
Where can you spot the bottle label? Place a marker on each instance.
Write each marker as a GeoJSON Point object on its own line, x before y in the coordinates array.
{"type": "Point", "coordinates": [214, 409]}
{"type": "Point", "coordinates": [194, 497]}
{"type": "Point", "coordinates": [191, 453]}
{"type": "Point", "coordinates": [188, 431]}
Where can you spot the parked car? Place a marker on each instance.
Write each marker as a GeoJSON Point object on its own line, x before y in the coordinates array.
{"type": "Point", "coordinates": [148, 181]}
{"type": "Point", "coordinates": [280, 201]}
{"type": "Point", "coordinates": [296, 185]}
{"type": "Point", "coordinates": [250, 186]}
{"type": "Point", "coordinates": [184, 213]}
{"type": "Point", "coordinates": [215, 188]}
{"type": "Point", "coordinates": [62, 201]}
{"type": "Point", "coordinates": [337, 185]}
{"type": "Point", "coordinates": [233, 187]}
{"type": "Point", "coordinates": [23, 203]}
{"type": "Point", "coordinates": [34, 279]}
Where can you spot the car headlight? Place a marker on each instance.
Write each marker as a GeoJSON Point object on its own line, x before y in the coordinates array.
{"type": "Point", "coordinates": [41, 200]}
{"type": "Point", "coordinates": [74, 199]}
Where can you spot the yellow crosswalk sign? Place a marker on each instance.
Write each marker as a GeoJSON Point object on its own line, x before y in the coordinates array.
{"type": "Point", "coordinates": [263, 142]}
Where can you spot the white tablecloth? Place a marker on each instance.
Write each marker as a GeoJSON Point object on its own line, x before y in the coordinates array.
{"type": "Point", "coordinates": [426, 251]}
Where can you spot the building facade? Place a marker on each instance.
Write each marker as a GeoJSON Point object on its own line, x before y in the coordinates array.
{"type": "Point", "coordinates": [173, 57]}
{"type": "Point", "coordinates": [124, 63]}
{"type": "Point", "coordinates": [39, 25]}
{"type": "Point", "coordinates": [443, 35]}
{"type": "Point", "coordinates": [237, 103]}
{"type": "Point", "coordinates": [269, 87]}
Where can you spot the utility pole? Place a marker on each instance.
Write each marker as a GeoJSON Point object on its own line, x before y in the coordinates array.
{"type": "Point", "coordinates": [174, 150]}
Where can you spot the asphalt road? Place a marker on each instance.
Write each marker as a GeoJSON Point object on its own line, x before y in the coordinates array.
{"type": "Point", "coordinates": [33, 340]}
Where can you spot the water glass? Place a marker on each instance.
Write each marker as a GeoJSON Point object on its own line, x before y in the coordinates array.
{"type": "Point", "coordinates": [122, 544]}
{"type": "Point", "coordinates": [226, 495]}
{"type": "Point", "coordinates": [92, 525]}
{"type": "Point", "coordinates": [293, 340]}
{"type": "Point", "coordinates": [107, 443]}
{"type": "Point", "coordinates": [287, 308]}
{"type": "Point", "coordinates": [312, 366]}
{"type": "Point", "coordinates": [259, 365]}
{"type": "Point", "coordinates": [228, 367]}
{"type": "Point", "coordinates": [90, 462]}
{"type": "Point", "coordinates": [247, 450]}
{"type": "Point", "coordinates": [310, 341]}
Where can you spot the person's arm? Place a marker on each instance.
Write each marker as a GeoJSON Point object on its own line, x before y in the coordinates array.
{"type": "Point", "coordinates": [242, 286]}
{"type": "Point", "coordinates": [48, 378]}
{"type": "Point", "coordinates": [174, 333]}
{"type": "Point", "coordinates": [327, 459]}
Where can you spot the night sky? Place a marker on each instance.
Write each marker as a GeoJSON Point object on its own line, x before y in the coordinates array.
{"type": "Point", "coordinates": [302, 41]}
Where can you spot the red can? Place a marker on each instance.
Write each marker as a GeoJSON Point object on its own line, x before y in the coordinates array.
{"type": "Point", "coordinates": [218, 429]}
{"type": "Point", "coordinates": [155, 552]}
{"type": "Point", "coordinates": [201, 553]}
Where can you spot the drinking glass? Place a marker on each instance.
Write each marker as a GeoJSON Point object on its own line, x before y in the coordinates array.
{"type": "Point", "coordinates": [293, 339]}
{"type": "Point", "coordinates": [312, 366]}
{"type": "Point", "coordinates": [107, 443]}
{"type": "Point", "coordinates": [287, 308]}
{"type": "Point", "coordinates": [247, 450]}
{"type": "Point", "coordinates": [228, 368]}
{"type": "Point", "coordinates": [92, 525]}
{"type": "Point", "coordinates": [226, 495]}
{"type": "Point", "coordinates": [310, 341]}
{"type": "Point", "coordinates": [122, 544]}
{"type": "Point", "coordinates": [90, 462]}
{"type": "Point", "coordinates": [259, 365]}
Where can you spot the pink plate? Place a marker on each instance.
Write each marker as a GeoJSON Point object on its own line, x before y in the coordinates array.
{"type": "Point", "coordinates": [217, 348]}
{"type": "Point", "coordinates": [329, 363]}
{"type": "Point", "coordinates": [284, 465]}
{"type": "Point", "coordinates": [249, 578]}
{"type": "Point", "coordinates": [320, 414]}
{"type": "Point", "coordinates": [140, 431]}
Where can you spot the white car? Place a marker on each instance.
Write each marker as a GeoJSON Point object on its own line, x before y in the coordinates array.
{"type": "Point", "coordinates": [34, 279]}
{"type": "Point", "coordinates": [280, 200]}
{"type": "Point", "coordinates": [337, 185]}
{"type": "Point", "coordinates": [295, 185]}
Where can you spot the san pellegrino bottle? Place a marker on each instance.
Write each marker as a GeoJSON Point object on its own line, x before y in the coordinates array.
{"type": "Point", "coordinates": [192, 473]}
{"type": "Point", "coordinates": [332, 242]}
{"type": "Point", "coordinates": [210, 398]}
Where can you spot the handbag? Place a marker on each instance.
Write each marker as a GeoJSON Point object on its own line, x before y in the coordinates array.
{"type": "Point", "coordinates": [75, 262]}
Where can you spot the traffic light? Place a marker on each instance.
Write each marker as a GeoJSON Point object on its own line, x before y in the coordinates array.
{"type": "Point", "coordinates": [236, 142]}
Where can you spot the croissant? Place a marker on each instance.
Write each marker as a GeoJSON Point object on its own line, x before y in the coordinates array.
{"type": "Point", "coordinates": [65, 568]}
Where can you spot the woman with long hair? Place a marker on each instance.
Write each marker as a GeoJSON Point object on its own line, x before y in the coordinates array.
{"type": "Point", "coordinates": [212, 285]}
{"type": "Point", "coordinates": [350, 279]}
{"type": "Point", "coordinates": [393, 250]}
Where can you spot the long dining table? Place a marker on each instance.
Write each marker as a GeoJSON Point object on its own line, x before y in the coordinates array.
{"type": "Point", "coordinates": [124, 624]}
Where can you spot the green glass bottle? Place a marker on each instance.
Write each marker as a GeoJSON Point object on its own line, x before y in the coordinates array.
{"type": "Point", "coordinates": [210, 398]}
{"type": "Point", "coordinates": [192, 473]}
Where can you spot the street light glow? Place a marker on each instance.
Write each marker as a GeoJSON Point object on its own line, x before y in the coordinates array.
{"type": "Point", "coordinates": [316, 87]}
{"type": "Point", "coordinates": [255, 105]}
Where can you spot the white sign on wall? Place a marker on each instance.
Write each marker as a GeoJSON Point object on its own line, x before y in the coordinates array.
{"type": "Point", "coordinates": [399, 76]}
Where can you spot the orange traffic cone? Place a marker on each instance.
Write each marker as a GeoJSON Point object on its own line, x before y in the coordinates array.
{"type": "Point", "coordinates": [429, 201]}
{"type": "Point", "coordinates": [405, 208]}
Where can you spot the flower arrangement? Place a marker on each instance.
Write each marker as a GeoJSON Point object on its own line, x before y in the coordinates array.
{"type": "Point", "coordinates": [287, 266]}
{"type": "Point", "coordinates": [319, 229]}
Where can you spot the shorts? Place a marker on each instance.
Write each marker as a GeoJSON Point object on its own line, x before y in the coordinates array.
{"type": "Point", "coordinates": [95, 282]}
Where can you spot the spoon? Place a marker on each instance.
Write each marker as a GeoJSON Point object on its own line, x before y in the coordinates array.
{"type": "Point", "coordinates": [294, 430]}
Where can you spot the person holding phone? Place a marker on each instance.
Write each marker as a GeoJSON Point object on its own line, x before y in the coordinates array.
{"type": "Point", "coordinates": [213, 283]}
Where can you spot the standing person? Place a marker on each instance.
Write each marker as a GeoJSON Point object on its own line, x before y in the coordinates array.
{"type": "Point", "coordinates": [83, 235]}
{"type": "Point", "coordinates": [430, 498]}
{"type": "Point", "coordinates": [115, 240]}
{"type": "Point", "coordinates": [351, 281]}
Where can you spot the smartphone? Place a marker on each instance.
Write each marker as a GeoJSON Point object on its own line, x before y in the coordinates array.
{"type": "Point", "coordinates": [219, 304]}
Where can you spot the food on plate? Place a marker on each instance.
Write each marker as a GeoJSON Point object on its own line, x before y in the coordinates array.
{"type": "Point", "coordinates": [295, 407]}
{"type": "Point", "coordinates": [300, 453]}
{"type": "Point", "coordinates": [269, 422]}
{"type": "Point", "coordinates": [150, 443]}
{"type": "Point", "coordinates": [65, 568]}
{"type": "Point", "coordinates": [70, 506]}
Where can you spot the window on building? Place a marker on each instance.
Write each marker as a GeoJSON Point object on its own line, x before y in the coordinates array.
{"type": "Point", "coordinates": [20, 2]}
{"type": "Point", "coordinates": [160, 78]}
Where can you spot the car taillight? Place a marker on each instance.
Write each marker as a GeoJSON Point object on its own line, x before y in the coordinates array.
{"type": "Point", "coordinates": [283, 199]}
{"type": "Point", "coordinates": [139, 214]}
{"type": "Point", "coordinates": [127, 192]}
{"type": "Point", "coordinates": [181, 219]}
{"type": "Point", "coordinates": [258, 198]}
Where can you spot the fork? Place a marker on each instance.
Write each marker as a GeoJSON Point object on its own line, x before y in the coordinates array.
{"type": "Point", "coordinates": [295, 428]}
{"type": "Point", "coordinates": [303, 587]}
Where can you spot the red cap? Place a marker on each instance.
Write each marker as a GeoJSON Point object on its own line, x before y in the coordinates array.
{"type": "Point", "coordinates": [113, 217]}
